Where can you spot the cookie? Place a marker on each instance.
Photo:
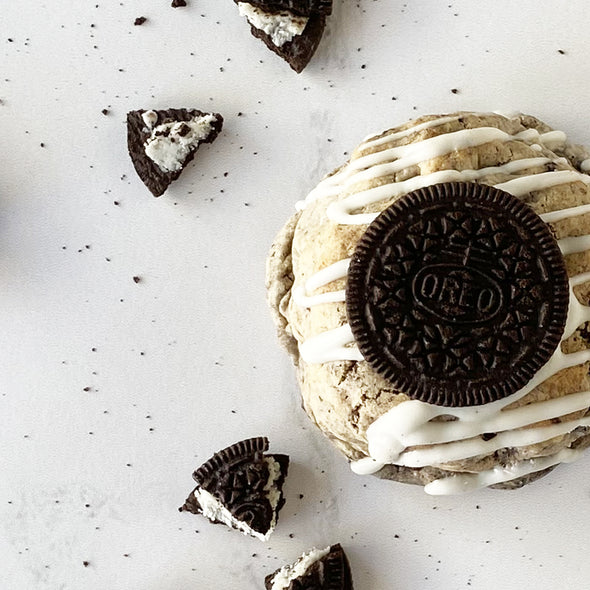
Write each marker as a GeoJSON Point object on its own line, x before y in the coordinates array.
{"type": "Point", "coordinates": [464, 264]}
{"type": "Point", "coordinates": [444, 312]}
{"type": "Point", "coordinates": [290, 28]}
{"type": "Point", "coordinates": [321, 569]}
{"type": "Point", "coordinates": [162, 142]}
{"type": "Point", "coordinates": [241, 487]}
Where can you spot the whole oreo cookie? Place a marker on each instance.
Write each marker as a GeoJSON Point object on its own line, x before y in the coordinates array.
{"type": "Point", "coordinates": [457, 294]}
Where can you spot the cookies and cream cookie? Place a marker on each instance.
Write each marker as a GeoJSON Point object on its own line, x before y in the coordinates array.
{"type": "Point", "coordinates": [434, 295]}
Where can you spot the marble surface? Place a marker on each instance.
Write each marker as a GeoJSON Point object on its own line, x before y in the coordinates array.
{"type": "Point", "coordinates": [112, 391]}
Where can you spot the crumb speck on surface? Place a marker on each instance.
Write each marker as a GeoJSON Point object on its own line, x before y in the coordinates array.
{"type": "Point", "coordinates": [139, 21]}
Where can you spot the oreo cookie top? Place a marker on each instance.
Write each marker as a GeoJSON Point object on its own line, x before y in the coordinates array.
{"type": "Point", "coordinates": [241, 487]}
{"type": "Point", "coordinates": [457, 294]}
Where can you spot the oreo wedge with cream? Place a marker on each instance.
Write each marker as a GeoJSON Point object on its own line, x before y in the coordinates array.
{"type": "Point", "coordinates": [317, 569]}
{"type": "Point", "coordinates": [162, 142]}
{"type": "Point", "coordinates": [241, 487]}
{"type": "Point", "coordinates": [290, 28]}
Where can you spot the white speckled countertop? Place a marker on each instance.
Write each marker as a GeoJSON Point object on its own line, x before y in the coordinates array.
{"type": "Point", "coordinates": [112, 392]}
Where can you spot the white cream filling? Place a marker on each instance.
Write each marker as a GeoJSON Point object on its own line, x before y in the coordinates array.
{"type": "Point", "coordinates": [281, 27]}
{"type": "Point", "coordinates": [213, 509]}
{"type": "Point", "coordinates": [288, 573]}
{"type": "Point", "coordinates": [170, 143]}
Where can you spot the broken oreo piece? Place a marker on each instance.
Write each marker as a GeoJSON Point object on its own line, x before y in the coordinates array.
{"type": "Point", "coordinates": [325, 569]}
{"type": "Point", "coordinates": [290, 28]}
{"type": "Point", "coordinates": [162, 142]}
{"type": "Point", "coordinates": [457, 294]}
{"type": "Point", "coordinates": [241, 487]}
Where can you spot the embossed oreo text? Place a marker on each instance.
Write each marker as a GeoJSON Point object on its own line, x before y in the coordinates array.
{"type": "Point", "coordinates": [457, 294]}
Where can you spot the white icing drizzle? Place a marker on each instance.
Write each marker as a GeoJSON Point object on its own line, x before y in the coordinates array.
{"type": "Point", "coordinates": [457, 484]}
{"type": "Point", "coordinates": [332, 345]}
{"type": "Point", "coordinates": [405, 435]}
{"type": "Point", "coordinates": [574, 245]}
{"type": "Point", "coordinates": [370, 143]}
{"type": "Point", "coordinates": [527, 184]}
{"type": "Point", "coordinates": [340, 212]}
{"type": "Point", "coordinates": [580, 279]}
{"type": "Point", "coordinates": [560, 214]}
{"type": "Point", "coordinates": [324, 277]}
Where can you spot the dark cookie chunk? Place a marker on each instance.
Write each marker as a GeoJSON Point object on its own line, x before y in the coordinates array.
{"type": "Point", "coordinates": [457, 294]}
{"type": "Point", "coordinates": [300, 49]}
{"type": "Point", "coordinates": [178, 3]}
{"type": "Point", "coordinates": [330, 572]}
{"type": "Point", "coordinates": [156, 178]}
{"type": "Point", "coordinates": [247, 483]}
{"type": "Point", "coordinates": [297, 7]}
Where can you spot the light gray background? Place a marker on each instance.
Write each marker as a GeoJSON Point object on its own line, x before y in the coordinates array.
{"type": "Point", "coordinates": [190, 351]}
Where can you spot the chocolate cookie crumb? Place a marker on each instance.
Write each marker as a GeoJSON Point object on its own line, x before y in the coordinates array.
{"type": "Point", "coordinates": [139, 21]}
{"type": "Point", "coordinates": [178, 3]}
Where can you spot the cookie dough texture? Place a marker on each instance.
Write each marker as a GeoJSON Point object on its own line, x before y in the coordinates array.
{"type": "Point", "coordinates": [343, 398]}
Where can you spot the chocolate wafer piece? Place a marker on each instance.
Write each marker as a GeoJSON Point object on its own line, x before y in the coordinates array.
{"type": "Point", "coordinates": [162, 142]}
{"type": "Point", "coordinates": [241, 487]}
{"type": "Point", "coordinates": [457, 294]}
{"type": "Point", "coordinates": [290, 28]}
{"type": "Point", "coordinates": [325, 569]}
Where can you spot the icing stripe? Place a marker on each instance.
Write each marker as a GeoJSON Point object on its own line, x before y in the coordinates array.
{"type": "Point", "coordinates": [332, 345]}
{"type": "Point", "coordinates": [467, 482]}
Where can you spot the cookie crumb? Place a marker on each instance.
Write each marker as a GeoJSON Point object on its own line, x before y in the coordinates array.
{"type": "Point", "coordinates": [136, 279]}
{"type": "Point", "coordinates": [139, 21]}
{"type": "Point", "coordinates": [105, 111]}
{"type": "Point", "coordinates": [561, 51]}
{"type": "Point", "coordinates": [455, 90]}
{"type": "Point", "coordinates": [178, 3]}
{"type": "Point", "coordinates": [85, 563]}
